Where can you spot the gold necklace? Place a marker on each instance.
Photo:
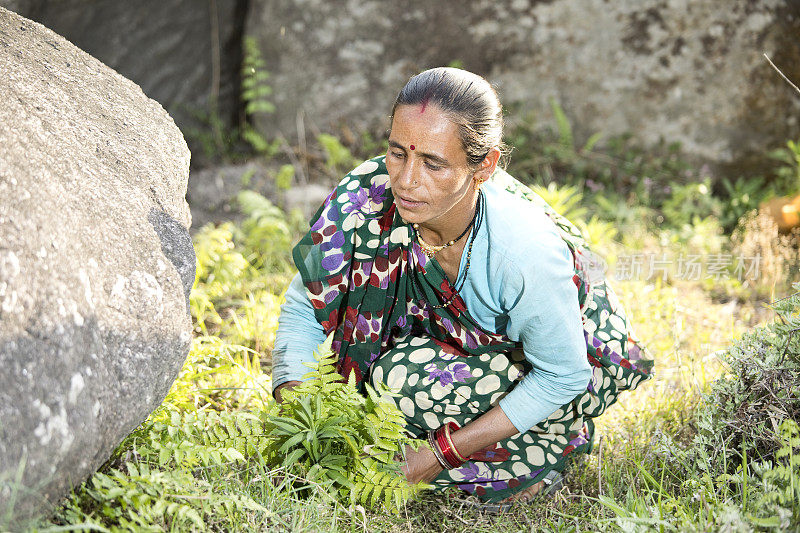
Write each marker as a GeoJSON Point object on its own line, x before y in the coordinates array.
{"type": "Point", "coordinates": [431, 249]}
{"type": "Point", "coordinates": [476, 221]}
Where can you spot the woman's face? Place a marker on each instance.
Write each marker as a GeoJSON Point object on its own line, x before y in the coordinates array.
{"type": "Point", "coordinates": [428, 171]}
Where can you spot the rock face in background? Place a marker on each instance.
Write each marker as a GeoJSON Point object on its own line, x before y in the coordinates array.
{"type": "Point", "coordinates": [686, 70]}
{"type": "Point", "coordinates": [96, 263]}
{"type": "Point", "coordinates": [181, 52]}
{"type": "Point", "coordinates": [690, 71]}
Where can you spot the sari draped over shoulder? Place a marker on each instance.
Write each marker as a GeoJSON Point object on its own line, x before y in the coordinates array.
{"type": "Point", "coordinates": [371, 285]}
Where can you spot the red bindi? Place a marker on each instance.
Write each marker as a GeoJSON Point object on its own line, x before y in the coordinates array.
{"type": "Point", "coordinates": [412, 146]}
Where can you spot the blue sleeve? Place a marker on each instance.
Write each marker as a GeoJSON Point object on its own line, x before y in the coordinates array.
{"type": "Point", "coordinates": [543, 311]}
{"type": "Point", "coordinates": [298, 335]}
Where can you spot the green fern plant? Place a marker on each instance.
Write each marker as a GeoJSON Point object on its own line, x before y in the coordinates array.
{"type": "Point", "coordinates": [174, 439]}
{"type": "Point", "coordinates": [782, 480]}
{"type": "Point", "coordinates": [264, 236]}
{"type": "Point", "coordinates": [137, 497]}
{"type": "Point", "coordinates": [788, 175]}
{"type": "Point", "coordinates": [255, 96]}
{"type": "Point", "coordinates": [241, 271]}
{"type": "Point", "coordinates": [327, 432]}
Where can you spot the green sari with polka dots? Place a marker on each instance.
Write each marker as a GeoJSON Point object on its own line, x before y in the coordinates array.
{"type": "Point", "coordinates": [372, 286]}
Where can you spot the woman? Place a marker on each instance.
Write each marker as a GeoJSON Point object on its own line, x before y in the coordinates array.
{"type": "Point", "coordinates": [461, 290]}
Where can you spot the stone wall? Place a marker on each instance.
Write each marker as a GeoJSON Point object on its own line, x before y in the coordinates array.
{"type": "Point", "coordinates": [685, 70]}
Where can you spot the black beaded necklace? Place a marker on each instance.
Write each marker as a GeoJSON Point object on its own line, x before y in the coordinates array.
{"type": "Point", "coordinates": [475, 224]}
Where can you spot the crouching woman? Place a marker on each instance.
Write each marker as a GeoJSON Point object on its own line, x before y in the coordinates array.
{"type": "Point", "coordinates": [456, 286]}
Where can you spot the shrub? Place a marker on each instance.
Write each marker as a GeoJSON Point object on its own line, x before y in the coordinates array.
{"type": "Point", "coordinates": [745, 408]}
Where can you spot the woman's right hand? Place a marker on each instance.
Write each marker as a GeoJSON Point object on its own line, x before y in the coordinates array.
{"type": "Point", "coordinates": [289, 385]}
{"type": "Point", "coordinates": [420, 465]}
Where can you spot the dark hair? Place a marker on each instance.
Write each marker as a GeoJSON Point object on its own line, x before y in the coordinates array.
{"type": "Point", "coordinates": [468, 100]}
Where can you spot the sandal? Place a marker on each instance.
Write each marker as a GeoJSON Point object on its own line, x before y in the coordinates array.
{"type": "Point", "coordinates": [553, 482]}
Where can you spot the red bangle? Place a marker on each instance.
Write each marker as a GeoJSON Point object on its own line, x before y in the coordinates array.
{"type": "Point", "coordinates": [445, 444]}
{"type": "Point", "coordinates": [436, 451]}
{"type": "Point", "coordinates": [444, 447]}
{"type": "Point", "coordinates": [450, 428]}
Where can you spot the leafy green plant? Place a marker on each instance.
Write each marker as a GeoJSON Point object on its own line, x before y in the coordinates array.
{"type": "Point", "coordinates": [689, 201]}
{"type": "Point", "coordinates": [742, 196]}
{"type": "Point", "coordinates": [284, 177]}
{"type": "Point", "coordinates": [566, 139]}
{"type": "Point", "coordinates": [781, 481]}
{"type": "Point", "coordinates": [241, 270]}
{"type": "Point", "coordinates": [566, 200]}
{"type": "Point", "coordinates": [264, 236]}
{"type": "Point", "coordinates": [255, 95]}
{"type": "Point", "coordinates": [338, 157]}
{"type": "Point", "coordinates": [788, 174]}
{"type": "Point", "coordinates": [136, 497]}
{"type": "Point", "coordinates": [546, 154]}
{"type": "Point", "coordinates": [328, 432]}
{"type": "Point", "coordinates": [599, 234]}
{"type": "Point", "coordinates": [219, 141]}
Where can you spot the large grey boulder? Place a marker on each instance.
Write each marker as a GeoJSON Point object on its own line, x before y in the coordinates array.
{"type": "Point", "coordinates": [686, 70]}
{"type": "Point", "coordinates": [96, 263]}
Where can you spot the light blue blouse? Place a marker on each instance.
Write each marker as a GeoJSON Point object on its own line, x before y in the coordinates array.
{"type": "Point", "coordinates": [519, 283]}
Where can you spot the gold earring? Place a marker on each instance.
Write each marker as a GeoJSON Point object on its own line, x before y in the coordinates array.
{"type": "Point", "coordinates": [477, 184]}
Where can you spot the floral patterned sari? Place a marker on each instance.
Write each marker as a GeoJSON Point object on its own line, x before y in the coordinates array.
{"type": "Point", "coordinates": [371, 285]}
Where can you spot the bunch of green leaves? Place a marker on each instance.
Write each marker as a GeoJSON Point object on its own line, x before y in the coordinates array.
{"type": "Point", "coordinates": [235, 143]}
{"type": "Point", "coordinates": [566, 200]}
{"type": "Point", "coordinates": [689, 202]}
{"type": "Point", "coordinates": [284, 177]}
{"type": "Point", "coordinates": [779, 503]}
{"type": "Point", "coordinates": [741, 197]}
{"type": "Point", "coordinates": [171, 438]}
{"type": "Point", "coordinates": [265, 236]}
{"type": "Point", "coordinates": [546, 153]}
{"type": "Point", "coordinates": [329, 433]}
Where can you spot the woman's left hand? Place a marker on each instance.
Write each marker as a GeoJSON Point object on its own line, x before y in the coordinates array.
{"type": "Point", "coordinates": [421, 466]}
